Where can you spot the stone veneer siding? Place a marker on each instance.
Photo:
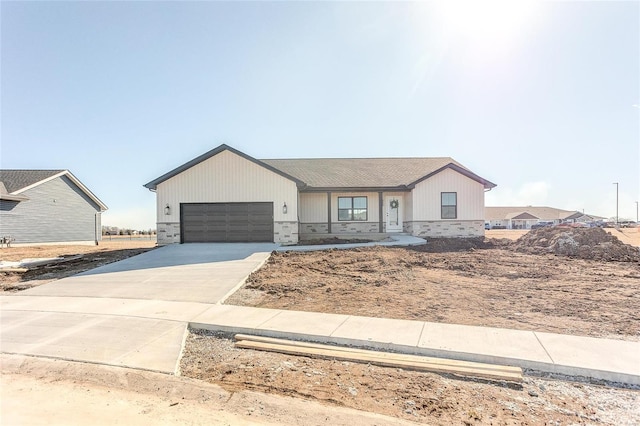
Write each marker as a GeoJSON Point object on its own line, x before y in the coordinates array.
{"type": "Point", "coordinates": [283, 232]}
{"type": "Point", "coordinates": [314, 228]}
{"type": "Point", "coordinates": [445, 228]}
{"type": "Point", "coordinates": [340, 228]}
{"type": "Point", "coordinates": [168, 233]}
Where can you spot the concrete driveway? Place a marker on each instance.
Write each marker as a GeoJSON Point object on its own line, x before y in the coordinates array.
{"type": "Point", "coordinates": [203, 273]}
{"type": "Point", "coordinates": [131, 313]}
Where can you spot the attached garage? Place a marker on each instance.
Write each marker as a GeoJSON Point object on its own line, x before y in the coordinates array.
{"type": "Point", "coordinates": [226, 222]}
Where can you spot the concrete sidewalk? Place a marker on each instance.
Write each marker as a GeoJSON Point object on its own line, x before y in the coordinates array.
{"type": "Point", "coordinates": [606, 359]}
{"type": "Point", "coordinates": [162, 324]}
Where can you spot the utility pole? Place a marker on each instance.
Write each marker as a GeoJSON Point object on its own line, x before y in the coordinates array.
{"type": "Point", "coordinates": [616, 184]}
{"type": "Point", "coordinates": [636, 212]}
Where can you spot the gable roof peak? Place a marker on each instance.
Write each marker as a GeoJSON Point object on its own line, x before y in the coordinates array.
{"type": "Point", "coordinates": [215, 151]}
{"type": "Point", "coordinates": [17, 181]}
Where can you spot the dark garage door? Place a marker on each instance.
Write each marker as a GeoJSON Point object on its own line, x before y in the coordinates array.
{"type": "Point", "coordinates": [226, 222]}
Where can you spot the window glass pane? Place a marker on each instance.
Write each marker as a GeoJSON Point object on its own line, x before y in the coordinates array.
{"type": "Point", "coordinates": [360, 214]}
{"type": "Point", "coordinates": [352, 208]}
{"type": "Point", "coordinates": [344, 214]}
{"type": "Point", "coordinates": [449, 198]}
{"type": "Point", "coordinates": [344, 203]}
{"type": "Point", "coordinates": [359, 202]}
{"type": "Point", "coordinates": [448, 212]}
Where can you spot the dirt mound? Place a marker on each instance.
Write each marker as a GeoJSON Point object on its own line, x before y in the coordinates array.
{"type": "Point", "coordinates": [584, 243]}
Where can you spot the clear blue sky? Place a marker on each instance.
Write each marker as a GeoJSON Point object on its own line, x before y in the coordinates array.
{"type": "Point", "coordinates": [540, 98]}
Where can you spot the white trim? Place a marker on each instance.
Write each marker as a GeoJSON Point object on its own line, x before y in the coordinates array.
{"type": "Point", "coordinates": [12, 197]}
{"type": "Point", "coordinates": [74, 179]}
{"type": "Point", "coordinates": [40, 182]}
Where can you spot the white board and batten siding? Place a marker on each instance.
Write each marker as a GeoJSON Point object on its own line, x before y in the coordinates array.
{"type": "Point", "coordinates": [426, 200]}
{"type": "Point", "coordinates": [313, 207]}
{"type": "Point", "coordinates": [227, 177]}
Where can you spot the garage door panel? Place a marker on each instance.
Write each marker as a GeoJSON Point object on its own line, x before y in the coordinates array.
{"type": "Point", "coordinates": [227, 222]}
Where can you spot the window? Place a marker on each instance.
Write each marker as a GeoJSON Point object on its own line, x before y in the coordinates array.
{"type": "Point", "coordinates": [352, 208]}
{"type": "Point", "coordinates": [449, 205]}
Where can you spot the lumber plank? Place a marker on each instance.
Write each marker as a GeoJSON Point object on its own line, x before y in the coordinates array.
{"type": "Point", "coordinates": [382, 361]}
{"type": "Point", "coordinates": [14, 270]}
{"type": "Point", "coordinates": [383, 355]}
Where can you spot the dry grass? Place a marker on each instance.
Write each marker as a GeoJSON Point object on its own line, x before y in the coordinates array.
{"type": "Point", "coordinates": [46, 251]}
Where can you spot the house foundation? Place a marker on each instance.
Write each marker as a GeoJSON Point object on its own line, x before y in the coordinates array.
{"type": "Point", "coordinates": [445, 229]}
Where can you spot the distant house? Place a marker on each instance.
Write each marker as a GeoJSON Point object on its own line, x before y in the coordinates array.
{"type": "Point", "coordinates": [227, 196]}
{"type": "Point", "coordinates": [523, 217]}
{"type": "Point", "coordinates": [48, 206]}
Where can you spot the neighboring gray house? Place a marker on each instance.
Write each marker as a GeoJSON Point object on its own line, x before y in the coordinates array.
{"type": "Point", "coordinates": [48, 206]}
{"type": "Point", "coordinates": [226, 195]}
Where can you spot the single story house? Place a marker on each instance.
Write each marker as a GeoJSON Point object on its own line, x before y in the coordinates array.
{"type": "Point", "coordinates": [226, 195]}
{"type": "Point", "coordinates": [524, 217]}
{"type": "Point", "coordinates": [48, 206]}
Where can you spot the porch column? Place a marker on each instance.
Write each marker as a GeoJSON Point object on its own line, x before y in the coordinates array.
{"type": "Point", "coordinates": [380, 223]}
{"type": "Point", "coordinates": [329, 212]}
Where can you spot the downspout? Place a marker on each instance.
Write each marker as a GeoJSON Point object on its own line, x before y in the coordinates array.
{"type": "Point", "coordinates": [298, 214]}
{"type": "Point", "coordinates": [95, 227]}
{"type": "Point", "coordinates": [380, 212]}
{"type": "Point", "coordinates": [329, 212]}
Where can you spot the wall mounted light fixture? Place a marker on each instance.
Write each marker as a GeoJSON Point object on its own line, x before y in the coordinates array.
{"type": "Point", "coordinates": [284, 208]}
{"type": "Point", "coordinates": [167, 210]}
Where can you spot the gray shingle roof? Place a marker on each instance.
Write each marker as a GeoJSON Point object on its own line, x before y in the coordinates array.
{"type": "Point", "coordinates": [15, 180]}
{"type": "Point", "coordinates": [360, 172]}
{"type": "Point", "coordinates": [337, 173]}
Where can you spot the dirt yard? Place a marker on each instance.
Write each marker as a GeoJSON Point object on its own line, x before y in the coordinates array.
{"type": "Point", "coordinates": [494, 287]}
{"type": "Point", "coordinates": [40, 391]}
{"type": "Point", "coordinates": [425, 398]}
{"type": "Point", "coordinates": [92, 257]}
{"type": "Point", "coordinates": [470, 282]}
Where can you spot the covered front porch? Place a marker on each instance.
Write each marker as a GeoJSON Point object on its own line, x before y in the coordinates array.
{"type": "Point", "coordinates": [357, 214]}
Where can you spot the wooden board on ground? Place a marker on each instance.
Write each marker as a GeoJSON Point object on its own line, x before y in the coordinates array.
{"type": "Point", "coordinates": [386, 359]}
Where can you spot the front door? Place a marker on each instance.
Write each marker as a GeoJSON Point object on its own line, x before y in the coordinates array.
{"type": "Point", "coordinates": [394, 213]}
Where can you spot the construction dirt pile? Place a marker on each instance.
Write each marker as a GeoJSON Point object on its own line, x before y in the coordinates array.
{"type": "Point", "coordinates": [583, 243]}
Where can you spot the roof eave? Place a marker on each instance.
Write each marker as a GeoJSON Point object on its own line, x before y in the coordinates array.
{"type": "Point", "coordinates": [103, 207]}
{"type": "Point", "coordinates": [487, 184]}
{"type": "Point", "coordinates": [13, 197]}
{"type": "Point", "coordinates": [400, 188]}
